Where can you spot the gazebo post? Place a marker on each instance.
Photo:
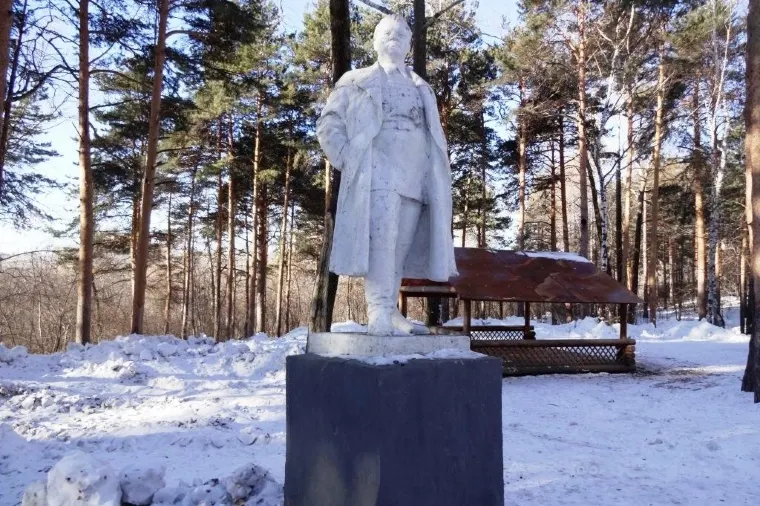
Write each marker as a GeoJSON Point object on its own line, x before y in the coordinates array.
{"type": "Point", "coordinates": [623, 321]}
{"type": "Point", "coordinates": [402, 307]}
{"type": "Point", "coordinates": [526, 332]}
{"type": "Point", "coordinates": [467, 316]}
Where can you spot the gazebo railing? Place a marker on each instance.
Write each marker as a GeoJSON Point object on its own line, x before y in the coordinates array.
{"type": "Point", "coordinates": [496, 332]}
{"type": "Point", "coordinates": [546, 356]}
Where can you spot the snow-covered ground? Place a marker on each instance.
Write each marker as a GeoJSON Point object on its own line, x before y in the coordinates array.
{"type": "Point", "coordinates": [677, 432]}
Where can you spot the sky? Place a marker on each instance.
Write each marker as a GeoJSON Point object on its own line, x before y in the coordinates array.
{"type": "Point", "coordinates": [491, 15]}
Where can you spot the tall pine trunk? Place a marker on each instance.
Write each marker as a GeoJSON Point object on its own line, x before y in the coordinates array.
{"type": "Point", "coordinates": [168, 303]}
{"type": "Point", "coordinates": [188, 263]}
{"type": "Point", "coordinates": [6, 23]}
{"type": "Point", "coordinates": [218, 226]}
{"type": "Point", "coordinates": [700, 251]}
{"type": "Point", "coordinates": [86, 225]}
{"type": "Point", "coordinates": [582, 139]}
{"type": "Point", "coordinates": [283, 241]}
{"type": "Point", "coordinates": [599, 200]}
{"type": "Point", "coordinates": [290, 265]}
{"type": "Point", "coordinates": [522, 143]}
{"type": "Point", "coordinates": [751, 380]}
{"type": "Point", "coordinates": [563, 183]}
{"type": "Point", "coordinates": [620, 267]}
{"type": "Point", "coordinates": [7, 105]}
{"type": "Point", "coordinates": [743, 284]}
{"type": "Point", "coordinates": [326, 286]}
{"type": "Point", "coordinates": [553, 203]}
{"type": "Point", "coordinates": [229, 326]}
{"type": "Point", "coordinates": [251, 323]}
{"type": "Point", "coordinates": [261, 257]}
{"type": "Point", "coordinates": [655, 199]}
{"type": "Point", "coordinates": [626, 259]}
{"type": "Point", "coordinates": [482, 237]}
{"type": "Point", "coordinates": [148, 186]}
{"type": "Point", "coordinates": [637, 237]}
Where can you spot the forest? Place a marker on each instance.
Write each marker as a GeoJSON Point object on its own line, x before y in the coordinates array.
{"type": "Point", "coordinates": [613, 129]}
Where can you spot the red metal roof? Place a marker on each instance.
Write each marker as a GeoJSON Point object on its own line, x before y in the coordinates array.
{"type": "Point", "coordinates": [526, 276]}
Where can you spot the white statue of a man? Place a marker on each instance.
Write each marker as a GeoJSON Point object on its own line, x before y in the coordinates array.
{"type": "Point", "coordinates": [381, 129]}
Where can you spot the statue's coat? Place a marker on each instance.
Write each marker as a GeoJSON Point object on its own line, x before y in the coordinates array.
{"type": "Point", "coordinates": [349, 122]}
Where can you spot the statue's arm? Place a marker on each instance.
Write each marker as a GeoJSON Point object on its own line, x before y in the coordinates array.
{"type": "Point", "coordinates": [331, 127]}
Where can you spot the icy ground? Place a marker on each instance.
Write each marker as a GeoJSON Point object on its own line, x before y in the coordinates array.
{"type": "Point", "coordinates": [677, 432]}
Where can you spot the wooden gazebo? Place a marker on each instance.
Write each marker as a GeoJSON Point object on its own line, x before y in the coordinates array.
{"type": "Point", "coordinates": [533, 277]}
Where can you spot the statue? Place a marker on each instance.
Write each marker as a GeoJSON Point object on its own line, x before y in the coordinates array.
{"type": "Point", "coordinates": [381, 129]}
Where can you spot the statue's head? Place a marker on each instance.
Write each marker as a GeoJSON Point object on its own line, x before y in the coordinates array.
{"type": "Point", "coordinates": [393, 38]}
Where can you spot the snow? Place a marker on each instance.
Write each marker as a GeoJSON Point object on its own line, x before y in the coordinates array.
{"type": "Point", "coordinates": [557, 255]}
{"type": "Point", "coordinates": [212, 416]}
{"type": "Point", "coordinates": [403, 359]}
{"type": "Point", "coordinates": [140, 484]}
{"type": "Point", "coordinates": [82, 480]}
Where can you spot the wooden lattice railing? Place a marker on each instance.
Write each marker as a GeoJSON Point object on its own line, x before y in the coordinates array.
{"type": "Point", "coordinates": [496, 332]}
{"type": "Point", "coordinates": [560, 355]}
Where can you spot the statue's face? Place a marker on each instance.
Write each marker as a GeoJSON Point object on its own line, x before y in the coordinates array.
{"type": "Point", "coordinates": [392, 40]}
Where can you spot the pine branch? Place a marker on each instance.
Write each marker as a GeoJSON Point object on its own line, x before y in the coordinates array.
{"type": "Point", "coordinates": [379, 7]}
{"type": "Point", "coordinates": [432, 19]}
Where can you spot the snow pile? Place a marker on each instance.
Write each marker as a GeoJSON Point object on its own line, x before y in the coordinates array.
{"type": "Point", "coordinates": [79, 479]}
{"type": "Point", "coordinates": [212, 415]}
{"type": "Point", "coordinates": [7, 356]}
{"type": "Point", "coordinates": [82, 480]}
{"type": "Point", "coordinates": [140, 484]}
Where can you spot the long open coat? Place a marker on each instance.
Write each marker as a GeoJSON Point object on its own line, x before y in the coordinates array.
{"type": "Point", "coordinates": [350, 121]}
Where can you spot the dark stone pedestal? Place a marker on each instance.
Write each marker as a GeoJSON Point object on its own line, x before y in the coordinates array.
{"type": "Point", "coordinates": [423, 433]}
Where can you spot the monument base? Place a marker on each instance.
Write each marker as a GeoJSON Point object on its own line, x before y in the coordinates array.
{"type": "Point", "coordinates": [365, 345]}
{"type": "Point", "coordinates": [422, 433]}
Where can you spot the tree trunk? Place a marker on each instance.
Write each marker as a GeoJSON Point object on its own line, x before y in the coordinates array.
{"type": "Point", "coordinates": [251, 323]}
{"type": "Point", "coordinates": [261, 257]}
{"type": "Point", "coordinates": [283, 241]}
{"type": "Point", "coordinates": [599, 201]}
{"type": "Point", "coordinates": [562, 183]}
{"type": "Point", "coordinates": [187, 279]}
{"type": "Point", "coordinates": [700, 251]}
{"type": "Point", "coordinates": [620, 264]}
{"type": "Point", "coordinates": [5, 123]}
{"type": "Point", "coordinates": [553, 203]}
{"type": "Point", "coordinates": [751, 380]}
{"type": "Point", "coordinates": [465, 216]}
{"type": "Point", "coordinates": [290, 266]}
{"type": "Point", "coordinates": [714, 314]}
{"type": "Point", "coordinates": [637, 238]}
{"type": "Point", "coordinates": [419, 38]}
{"type": "Point", "coordinates": [326, 285]}
{"type": "Point", "coordinates": [655, 199]}
{"type": "Point", "coordinates": [583, 249]}
{"type": "Point", "coordinates": [168, 304]}
{"type": "Point", "coordinates": [86, 220]}
{"type": "Point", "coordinates": [521, 167]}
{"type": "Point", "coordinates": [219, 224]}
{"type": "Point", "coordinates": [743, 284]}
{"type": "Point", "coordinates": [670, 294]}
{"type": "Point", "coordinates": [229, 327]}
{"type": "Point", "coordinates": [626, 259]}
{"type": "Point", "coordinates": [143, 240]}
{"type": "Point", "coordinates": [482, 239]}
{"type": "Point", "coordinates": [6, 23]}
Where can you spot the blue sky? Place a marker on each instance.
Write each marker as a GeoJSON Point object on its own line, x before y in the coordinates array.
{"type": "Point", "coordinates": [491, 15]}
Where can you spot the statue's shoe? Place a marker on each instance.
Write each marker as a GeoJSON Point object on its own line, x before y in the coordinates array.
{"type": "Point", "coordinates": [380, 324]}
{"type": "Point", "coordinates": [405, 327]}
{"type": "Point", "coordinates": [401, 324]}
